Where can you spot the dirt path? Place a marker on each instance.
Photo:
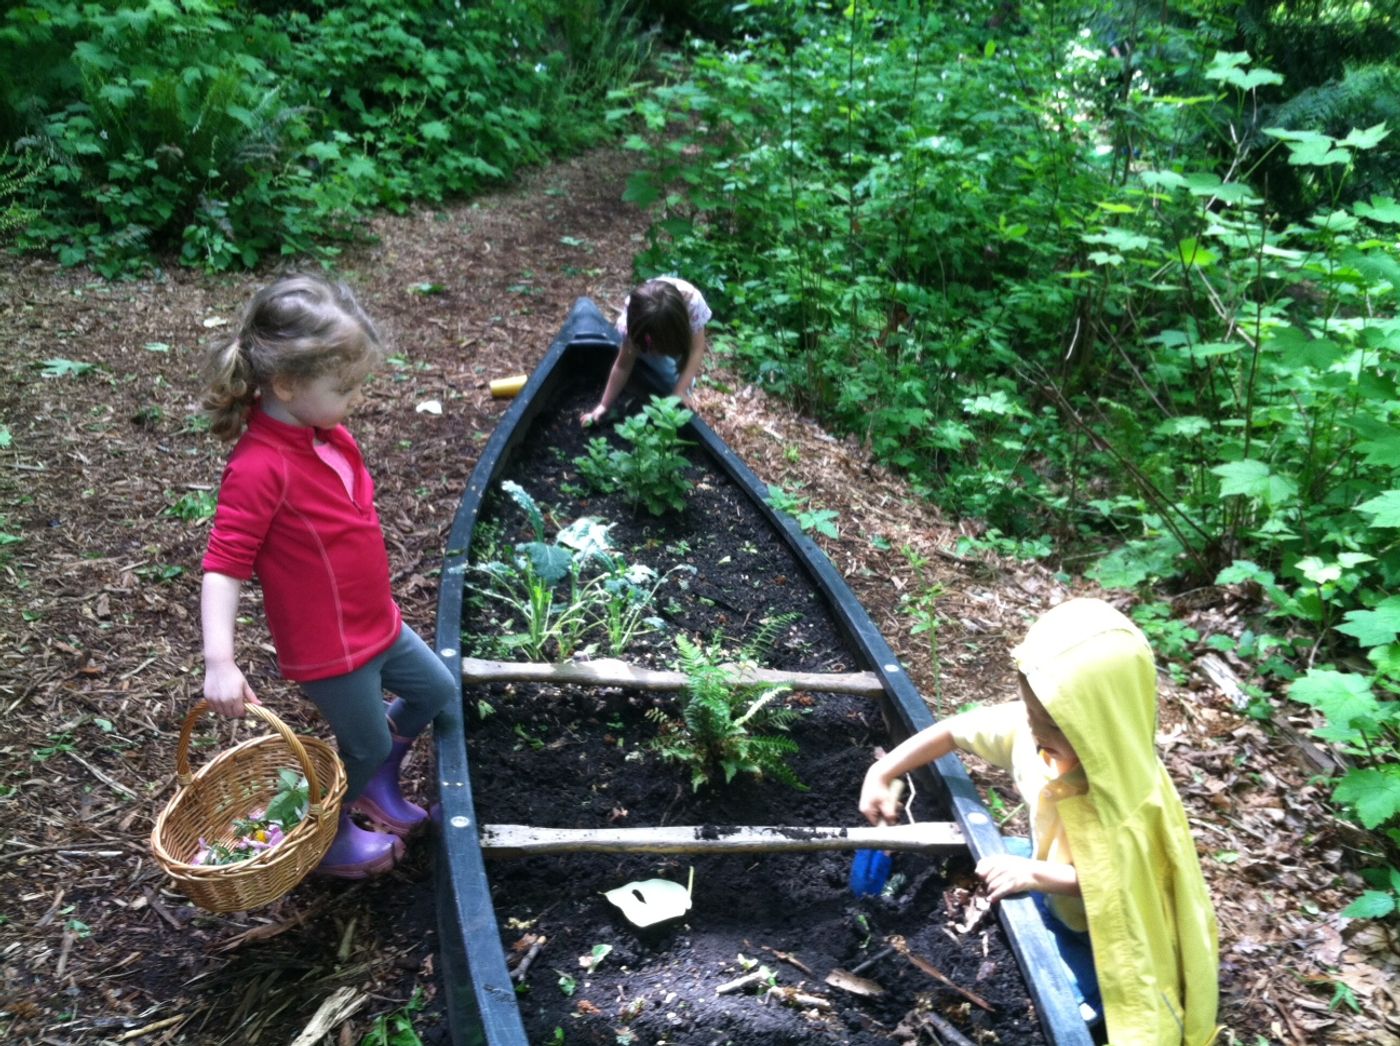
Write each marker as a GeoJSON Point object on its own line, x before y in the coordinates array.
{"type": "Point", "coordinates": [101, 651]}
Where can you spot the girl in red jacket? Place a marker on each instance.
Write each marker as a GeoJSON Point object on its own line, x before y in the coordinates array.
{"type": "Point", "coordinates": [296, 508]}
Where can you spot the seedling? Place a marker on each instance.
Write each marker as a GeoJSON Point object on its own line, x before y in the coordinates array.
{"type": "Point", "coordinates": [822, 520]}
{"type": "Point", "coordinates": [195, 507]}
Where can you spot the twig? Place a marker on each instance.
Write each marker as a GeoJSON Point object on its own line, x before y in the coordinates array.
{"type": "Point", "coordinates": [523, 966]}
{"type": "Point", "coordinates": [151, 1028]}
{"type": "Point", "coordinates": [946, 1031]}
{"type": "Point", "coordinates": [899, 945]}
{"type": "Point", "coordinates": [790, 959]}
{"type": "Point", "coordinates": [861, 967]}
{"type": "Point", "coordinates": [336, 1008]}
{"type": "Point", "coordinates": [740, 983]}
{"type": "Point", "coordinates": [64, 848]}
{"type": "Point", "coordinates": [102, 777]}
{"type": "Point", "coordinates": [612, 672]}
{"type": "Point", "coordinates": [797, 997]}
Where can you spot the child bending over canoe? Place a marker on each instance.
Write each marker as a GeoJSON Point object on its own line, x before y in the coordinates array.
{"type": "Point", "coordinates": [1111, 863]}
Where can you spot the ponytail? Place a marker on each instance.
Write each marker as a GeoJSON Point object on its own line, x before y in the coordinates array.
{"type": "Point", "coordinates": [229, 388]}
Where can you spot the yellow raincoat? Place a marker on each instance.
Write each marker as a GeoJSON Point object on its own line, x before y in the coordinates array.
{"type": "Point", "coordinates": [1149, 916]}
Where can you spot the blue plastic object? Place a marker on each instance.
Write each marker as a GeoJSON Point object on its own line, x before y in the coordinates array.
{"type": "Point", "coordinates": [869, 872]}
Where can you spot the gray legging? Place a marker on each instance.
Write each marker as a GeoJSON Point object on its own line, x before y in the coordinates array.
{"type": "Point", "coordinates": [354, 706]}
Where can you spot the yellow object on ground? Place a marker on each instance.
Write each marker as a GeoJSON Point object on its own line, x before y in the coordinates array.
{"type": "Point", "coordinates": [506, 388]}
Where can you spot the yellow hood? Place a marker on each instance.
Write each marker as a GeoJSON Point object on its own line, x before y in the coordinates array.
{"type": "Point", "coordinates": [1150, 917]}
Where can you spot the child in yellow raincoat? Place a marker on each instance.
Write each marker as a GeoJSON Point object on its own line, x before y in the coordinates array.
{"type": "Point", "coordinates": [1111, 851]}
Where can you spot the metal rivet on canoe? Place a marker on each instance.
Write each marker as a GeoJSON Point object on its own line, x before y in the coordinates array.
{"type": "Point", "coordinates": [977, 818]}
{"type": "Point", "coordinates": [891, 668]}
{"type": "Point", "coordinates": [461, 822]}
{"type": "Point", "coordinates": [447, 651]}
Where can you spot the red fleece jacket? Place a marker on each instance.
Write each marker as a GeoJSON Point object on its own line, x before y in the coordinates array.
{"type": "Point", "coordinates": [319, 553]}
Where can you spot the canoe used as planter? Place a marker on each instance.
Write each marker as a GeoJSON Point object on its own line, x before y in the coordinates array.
{"type": "Point", "coordinates": [484, 1004]}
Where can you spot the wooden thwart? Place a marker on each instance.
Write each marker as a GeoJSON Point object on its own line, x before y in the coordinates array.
{"type": "Point", "coordinates": [519, 840]}
{"type": "Point", "coordinates": [611, 672]}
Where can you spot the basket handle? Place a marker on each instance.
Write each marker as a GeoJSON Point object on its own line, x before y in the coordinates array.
{"type": "Point", "coordinates": [182, 751]}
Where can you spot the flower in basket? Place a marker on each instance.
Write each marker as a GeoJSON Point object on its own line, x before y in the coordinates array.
{"type": "Point", "coordinates": [262, 829]}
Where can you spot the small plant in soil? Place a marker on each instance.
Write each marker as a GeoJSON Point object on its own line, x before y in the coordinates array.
{"type": "Point", "coordinates": [724, 729]}
{"type": "Point", "coordinates": [561, 593]}
{"type": "Point", "coordinates": [653, 472]}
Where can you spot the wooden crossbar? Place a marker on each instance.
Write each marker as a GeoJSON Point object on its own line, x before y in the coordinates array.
{"type": "Point", "coordinates": [521, 840]}
{"type": "Point", "coordinates": [611, 672]}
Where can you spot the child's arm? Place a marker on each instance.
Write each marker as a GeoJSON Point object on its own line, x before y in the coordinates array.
{"type": "Point", "coordinates": [1005, 874]}
{"type": "Point", "coordinates": [225, 687]}
{"type": "Point", "coordinates": [693, 360]}
{"type": "Point", "coordinates": [617, 378]}
{"type": "Point", "coordinates": [877, 800]}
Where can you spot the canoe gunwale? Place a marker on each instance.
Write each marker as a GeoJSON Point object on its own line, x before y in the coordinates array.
{"type": "Point", "coordinates": [480, 999]}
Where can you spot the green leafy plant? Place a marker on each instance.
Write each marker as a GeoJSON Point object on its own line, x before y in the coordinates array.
{"type": "Point", "coordinates": [262, 829]}
{"type": "Point", "coordinates": [723, 729]}
{"type": "Point", "coordinates": [396, 1028]}
{"type": "Point", "coordinates": [560, 594]}
{"type": "Point", "coordinates": [822, 520]}
{"type": "Point", "coordinates": [195, 506]}
{"type": "Point", "coordinates": [652, 473]}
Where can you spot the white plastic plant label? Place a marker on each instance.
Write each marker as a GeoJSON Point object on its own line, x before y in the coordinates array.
{"type": "Point", "coordinates": [649, 901]}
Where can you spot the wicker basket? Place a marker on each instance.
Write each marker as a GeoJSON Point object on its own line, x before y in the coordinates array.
{"type": "Point", "coordinates": [232, 785]}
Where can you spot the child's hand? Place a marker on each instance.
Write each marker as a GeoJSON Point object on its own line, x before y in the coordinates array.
{"type": "Point", "coordinates": [593, 416]}
{"type": "Point", "coordinates": [1005, 874]}
{"type": "Point", "coordinates": [879, 800]}
{"type": "Point", "coordinates": [226, 690]}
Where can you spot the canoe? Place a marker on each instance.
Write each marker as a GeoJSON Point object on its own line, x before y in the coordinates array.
{"type": "Point", "coordinates": [479, 995]}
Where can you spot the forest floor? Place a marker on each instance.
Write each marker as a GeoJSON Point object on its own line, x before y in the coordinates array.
{"type": "Point", "coordinates": [104, 465]}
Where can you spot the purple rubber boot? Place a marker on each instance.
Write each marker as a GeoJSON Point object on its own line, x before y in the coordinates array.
{"type": "Point", "coordinates": [382, 801]}
{"type": "Point", "coordinates": [358, 854]}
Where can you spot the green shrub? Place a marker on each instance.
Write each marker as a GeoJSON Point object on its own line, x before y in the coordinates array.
{"type": "Point", "coordinates": [653, 472]}
{"type": "Point", "coordinates": [230, 135]}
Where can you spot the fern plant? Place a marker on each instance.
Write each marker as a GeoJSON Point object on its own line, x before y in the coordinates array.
{"type": "Point", "coordinates": [724, 729]}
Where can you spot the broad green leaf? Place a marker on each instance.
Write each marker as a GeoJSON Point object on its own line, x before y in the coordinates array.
{"type": "Point", "coordinates": [1185, 425]}
{"type": "Point", "coordinates": [1374, 793]}
{"type": "Point", "coordinates": [1162, 179]}
{"type": "Point", "coordinates": [1254, 479]}
{"type": "Point", "coordinates": [1243, 570]}
{"type": "Point", "coordinates": [641, 190]}
{"type": "Point", "coordinates": [1317, 571]}
{"type": "Point", "coordinates": [1366, 139]}
{"type": "Point", "coordinates": [1382, 209]}
{"type": "Point", "coordinates": [1372, 904]}
{"type": "Point", "coordinates": [1384, 509]}
{"type": "Point", "coordinates": [1342, 697]}
{"type": "Point", "coordinates": [1316, 154]}
{"type": "Point", "coordinates": [1122, 239]}
{"type": "Point", "coordinates": [1191, 252]}
{"type": "Point", "coordinates": [1373, 627]}
{"type": "Point", "coordinates": [435, 131]}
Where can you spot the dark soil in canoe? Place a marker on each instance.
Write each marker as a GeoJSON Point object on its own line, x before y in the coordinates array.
{"type": "Point", "coordinates": [578, 758]}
